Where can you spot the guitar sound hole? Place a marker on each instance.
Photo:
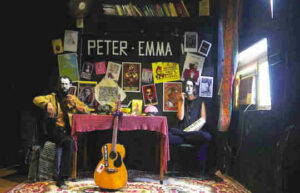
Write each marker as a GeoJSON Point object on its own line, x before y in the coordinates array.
{"type": "Point", "coordinates": [112, 155]}
{"type": "Point", "coordinates": [118, 161]}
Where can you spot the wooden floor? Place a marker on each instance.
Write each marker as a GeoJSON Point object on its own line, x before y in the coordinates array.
{"type": "Point", "coordinates": [9, 177]}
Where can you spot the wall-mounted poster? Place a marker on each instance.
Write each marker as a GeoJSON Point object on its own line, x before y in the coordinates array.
{"type": "Point", "coordinates": [70, 40]}
{"type": "Point", "coordinates": [86, 92]}
{"type": "Point", "coordinates": [113, 71]}
{"type": "Point", "coordinates": [147, 76]}
{"type": "Point", "coordinates": [165, 72]}
{"type": "Point", "coordinates": [204, 47]}
{"type": "Point", "coordinates": [100, 68]}
{"type": "Point", "coordinates": [107, 92]}
{"type": "Point", "coordinates": [68, 66]}
{"type": "Point", "coordinates": [87, 70]}
{"type": "Point", "coordinates": [190, 41]}
{"type": "Point", "coordinates": [171, 90]}
{"type": "Point", "coordinates": [149, 94]}
{"type": "Point", "coordinates": [57, 46]}
{"type": "Point", "coordinates": [192, 67]}
{"type": "Point", "coordinates": [131, 76]}
{"type": "Point", "coordinates": [206, 86]}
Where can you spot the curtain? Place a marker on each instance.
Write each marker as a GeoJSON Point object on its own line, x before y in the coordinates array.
{"type": "Point", "coordinates": [230, 15]}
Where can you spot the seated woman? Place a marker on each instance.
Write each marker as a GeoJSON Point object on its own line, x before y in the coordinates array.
{"type": "Point", "coordinates": [192, 118]}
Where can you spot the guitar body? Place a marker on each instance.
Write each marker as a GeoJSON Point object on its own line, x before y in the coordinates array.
{"type": "Point", "coordinates": [111, 173]}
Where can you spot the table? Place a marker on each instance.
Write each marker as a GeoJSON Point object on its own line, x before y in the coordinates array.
{"type": "Point", "coordinates": [90, 122]}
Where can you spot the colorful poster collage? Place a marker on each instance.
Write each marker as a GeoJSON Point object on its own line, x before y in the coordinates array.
{"type": "Point", "coordinates": [130, 77]}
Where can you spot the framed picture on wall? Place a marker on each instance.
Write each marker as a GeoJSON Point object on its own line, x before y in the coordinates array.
{"type": "Point", "coordinates": [206, 86]}
{"type": "Point", "coordinates": [149, 94]}
{"type": "Point", "coordinates": [171, 90]}
{"type": "Point", "coordinates": [113, 71]}
{"type": "Point", "coordinates": [131, 76]}
{"type": "Point", "coordinates": [190, 41]}
{"type": "Point", "coordinates": [68, 66]}
{"type": "Point", "coordinates": [70, 41]}
{"type": "Point", "coordinates": [147, 76]}
{"type": "Point", "coordinates": [86, 92]}
{"type": "Point", "coordinates": [57, 46]}
{"type": "Point", "coordinates": [204, 47]}
{"type": "Point", "coordinates": [87, 70]}
{"type": "Point", "coordinates": [192, 67]}
{"type": "Point", "coordinates": [100, 67]}
{"type": "Point", "coordinates": [73, 90]}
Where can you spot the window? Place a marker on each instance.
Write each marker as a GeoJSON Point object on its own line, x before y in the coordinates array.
{"type": "Point", "coordinates": [272, 9]}
{"type": "Point", "coordinates": [252, 84]}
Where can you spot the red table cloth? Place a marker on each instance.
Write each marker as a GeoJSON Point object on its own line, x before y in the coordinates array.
{"type": "Point", "coordinates": [90, 122]}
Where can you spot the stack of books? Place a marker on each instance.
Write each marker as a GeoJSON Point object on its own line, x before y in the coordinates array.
{"type": "Point", "coordinates": [167, 9]}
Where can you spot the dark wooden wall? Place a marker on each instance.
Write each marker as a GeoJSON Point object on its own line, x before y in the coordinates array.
{"type": "Point", "coordinates": [33, 68]}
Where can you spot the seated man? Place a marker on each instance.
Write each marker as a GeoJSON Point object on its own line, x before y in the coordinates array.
{"type": "Point", "coordinates": [58, 106]}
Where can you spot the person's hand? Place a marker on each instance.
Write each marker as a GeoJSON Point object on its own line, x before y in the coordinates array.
{"type": "Point", "coordinates": [70, 100]}
{"type": "Point", "coordinates": [50, 110]}
{"type": "Point", "coordinates": [182, 96]}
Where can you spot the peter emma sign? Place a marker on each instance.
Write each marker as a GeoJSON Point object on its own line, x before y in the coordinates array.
{"type": "Point", "coordinates": [101, 47]}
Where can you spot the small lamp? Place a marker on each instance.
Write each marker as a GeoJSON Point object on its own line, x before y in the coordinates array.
{"type": "Point", "coordinates": [151, 111]}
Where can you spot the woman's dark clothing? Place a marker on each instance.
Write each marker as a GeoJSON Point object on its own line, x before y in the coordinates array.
{"type": "Point", "coordinates": [192, 112]}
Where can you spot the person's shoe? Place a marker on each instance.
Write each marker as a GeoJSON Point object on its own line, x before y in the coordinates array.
{"type": "Point", "coordinates": [61, 184]}
{"type": "Point", "coordinates": [214, 177]}
{"type": "Point", "coordinates": [211, 175]}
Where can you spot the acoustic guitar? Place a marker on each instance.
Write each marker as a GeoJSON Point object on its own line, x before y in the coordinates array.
{"type": "Point", "coordinates": [111, 173]}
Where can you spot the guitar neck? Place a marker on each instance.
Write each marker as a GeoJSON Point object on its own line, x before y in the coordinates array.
{"type": "Point", "coordinates": [115, 133]}
{"type": "Point", "coordinates": [115, 125]}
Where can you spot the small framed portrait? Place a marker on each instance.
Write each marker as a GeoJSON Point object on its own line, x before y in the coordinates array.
{"type": "Point", "coordinates": [190, 41]}
{"type": "Point", "coordinates": [87, 70]}
{"type": "Point", "coordinates": [171, 90]}
{"type": "Point", "coordinates": [86, 92]}
{"type": "Point", "coordinates": [149, 94]}
{"type": "Point", "coordinates": [204, 47]}
{"type": "Point", "coordinates": [206, 86]}
{"type": "Point", "coordinates": [72, 90]}
{"type": "Point", "coordinates": [131, 76]}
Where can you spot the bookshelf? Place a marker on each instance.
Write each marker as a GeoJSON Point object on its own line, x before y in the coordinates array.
{"type": "Point", "coordinates": [153, 8]}
{"type": "Point", "coordinates": [187, 20]}
{"type": "Point", "coordinates": [149, 9]}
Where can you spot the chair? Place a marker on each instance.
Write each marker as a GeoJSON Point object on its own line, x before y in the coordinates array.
{"type": "Point", "coordinates": [194, 154]}
{"type": "Point", "coordinates": [189, 158]}
{"type": "Point", "coordinates": [45, 156]}
{"type": "Point", "coordinates": [49, 161]}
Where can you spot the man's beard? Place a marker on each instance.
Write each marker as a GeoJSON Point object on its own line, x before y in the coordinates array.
{"type": "Point", "coordinates": [62, 94]}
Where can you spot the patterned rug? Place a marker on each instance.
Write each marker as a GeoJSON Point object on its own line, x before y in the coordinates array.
{"type": "Point", "coordinates": [139, 182]}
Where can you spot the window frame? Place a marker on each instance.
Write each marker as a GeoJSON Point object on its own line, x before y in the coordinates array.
{"type": "Point", "coordinates": [251, 66]}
